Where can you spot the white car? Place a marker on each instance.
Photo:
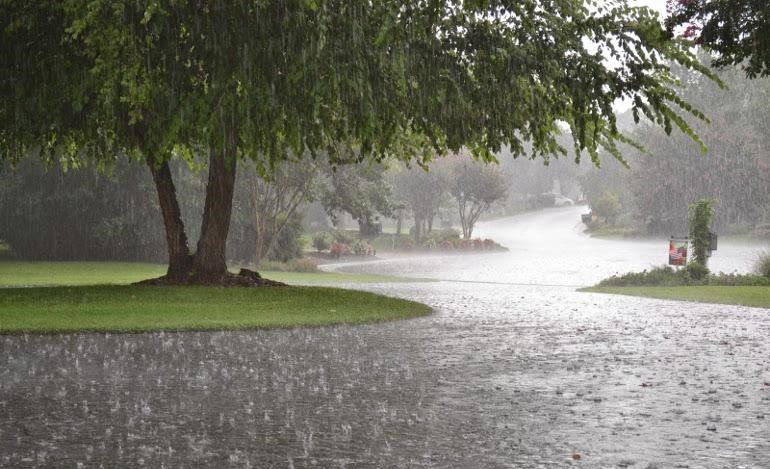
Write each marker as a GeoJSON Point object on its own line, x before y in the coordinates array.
{"type": "Point", "coordinates": [561, 201]}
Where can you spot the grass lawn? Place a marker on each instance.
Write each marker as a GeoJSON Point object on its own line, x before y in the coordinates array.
{"type": "Point", "coordinates": [27, 274]}
{"type": "Point", "coordinates": [95, 296]}
{"type": "Point", "coordinates": [130, 308]}
{"type": "Point", "coordinates": [746, 296]}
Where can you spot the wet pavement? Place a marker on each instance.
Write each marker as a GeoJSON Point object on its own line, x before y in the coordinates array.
{"type": "Point", "coordinates": [504, 374]}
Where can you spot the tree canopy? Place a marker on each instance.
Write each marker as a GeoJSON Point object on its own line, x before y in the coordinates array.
{"type": "Point", "coordinates": [89, 79]}
{"type": "Point", "coordinates": [737, 30]}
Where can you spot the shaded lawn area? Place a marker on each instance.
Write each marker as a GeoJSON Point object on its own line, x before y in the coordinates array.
{"type": "Point", "coordinates": [757, 296]}
{"type": "Point", "coordinates": [131, 308]}
{"type": "Point", "coordinates": [47, 297]}
{"type": "Point", "coordinates": [120, 273]}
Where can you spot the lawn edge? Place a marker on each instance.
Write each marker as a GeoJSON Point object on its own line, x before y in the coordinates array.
{"type": "Point", "coordinates": [418, 310]}
{"type": "Point", "coordinates": [619, 290]}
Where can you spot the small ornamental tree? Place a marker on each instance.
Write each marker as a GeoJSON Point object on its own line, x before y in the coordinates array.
{"type": "Point", "coordinates": [475, 187]}
{"type": "Point", "coordinates": [608, 207]}
{"type": "Point", "coordinates": [700, 233]}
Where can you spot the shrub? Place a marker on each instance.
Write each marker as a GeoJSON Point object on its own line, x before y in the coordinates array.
{"type": "Point", "coordinates": [762, 264]}
{"type": "Point", "coordinates": [693, 274]}
{"type": "Point", "coordinates": [696, 270]}
{"type": "Point", "coordinates": [734, 279]}
{"type": "Point", "coordinates": [430, 244]}
{"type": "Point", "coordinates": [447, 234]}
{"type": "Point", "coordinates": [361, 248]}
{"type": "Point", "coordinates": [608, 207]}
{"type": "Point", "coordinates": [321, 241]}
{"type": "Point", "coordinates": [294, 265]}
{"type": "Point", "coordinates": [342, 237]}
{"type": "Point", "coordinates": [288, 243]}
{"type": "Point", "coordinates": [339, 249]}
{"type": "Point", "coordinates": [663, 275]}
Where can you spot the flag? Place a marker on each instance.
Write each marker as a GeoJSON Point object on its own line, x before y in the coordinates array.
{"type": "Point", "coordinates": [677, 251]}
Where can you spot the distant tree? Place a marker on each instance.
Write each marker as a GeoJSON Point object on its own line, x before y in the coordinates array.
{"type": "Point", "coordinates": [360, 190]}
{"type": "Point", "coordinates": [738, 31]}
{"type": "Point", "coordinates": [660, 183]}
{"type": "Point", "coordinates": [475, 187]}
{"type": "Point", "coordinates": [275, 198]}
{"type": "Point", "coordinates": [51, 213]}
{"type": "Point", "coordinates": [608, 207]}
{"type": "Point", "coordinates": [423, 190]}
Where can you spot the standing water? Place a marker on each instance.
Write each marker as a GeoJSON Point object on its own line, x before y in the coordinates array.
{"type": "Point", "coordinates": [515, 369]}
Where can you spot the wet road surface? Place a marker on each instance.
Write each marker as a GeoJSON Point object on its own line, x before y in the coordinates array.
{"type": "Point", "coordinates": [505, 374]}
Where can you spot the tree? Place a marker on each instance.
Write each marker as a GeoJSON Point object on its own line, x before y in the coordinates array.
{"type": "Point", "coordinates": [50, 213]}
{"type": "Point", "coordinates": [608, 207]}
{"type": "Point", "coordinates": [475, 186]}
{"type": "Point", "coordinates": [423, 190]}
{"type": "Point", "coordinates": [700, 230]}
{"type": "Point", "coordinates": [360, 190]}
{"type": "Point", "coordinates": [88, 80]}
{"type": "Point", "coordinates": [737, 30]}
{"type": "Point", "coordinates": [274, 201]}
{"type": "Point", "coordinates": [659, 184]}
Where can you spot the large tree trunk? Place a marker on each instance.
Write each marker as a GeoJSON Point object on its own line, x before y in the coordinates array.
{"type": "Point", "coordinates": [179, 260]}
{"type": "Point", "coordinates": [209, 264]}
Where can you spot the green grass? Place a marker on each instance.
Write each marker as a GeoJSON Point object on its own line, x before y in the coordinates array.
{"type": "Point", "coordinates": [26, 274]}
{"type": "Point", "coordinates": [95, 296]}
{"type": "Point", "coordinates": [757, 296]}
{"type": "Point", "coordinates": [614, 232]}
{"type": "Point", "coordinates": [131, 308]}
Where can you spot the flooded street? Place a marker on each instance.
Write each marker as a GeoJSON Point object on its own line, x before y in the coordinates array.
{"type": "Point", "coordinates": [514, 369]}
{"type": "Point", "coordinates": [549, 248]}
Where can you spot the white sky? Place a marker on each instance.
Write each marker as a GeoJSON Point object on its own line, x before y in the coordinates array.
{"type": "Point", "coordinates": [659, 5]}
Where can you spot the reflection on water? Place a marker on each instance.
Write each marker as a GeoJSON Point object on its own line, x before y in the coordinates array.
{"type": "Point", "coordinates": [501, 375]}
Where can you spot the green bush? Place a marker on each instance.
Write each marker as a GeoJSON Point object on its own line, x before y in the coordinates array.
{"type": "Point", "coordinates": [321, 242]}
{"type": "Point", "coordinates": [738, 280]}
{"type": "Point", "coordinates": [696, 270]}
{"type": "Point", "coordinates": [693, 274]}
{"type": "Point", "coordinates": [342, 237]}
{"type": "Point", "coordinates": [361, 248]}
{"type": "Point", "coordinates": [447, 234]}
{"type": "Point", "coordinates": [608, 207]}
{"type": "Point", "coordinates": [288, 244]}
{"type": "Point", "coordinates": [293, 265]}
{"type": "Point", "coordinates": [663, 276]}
{"type": "Point", "coordinates": [762, 264]}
